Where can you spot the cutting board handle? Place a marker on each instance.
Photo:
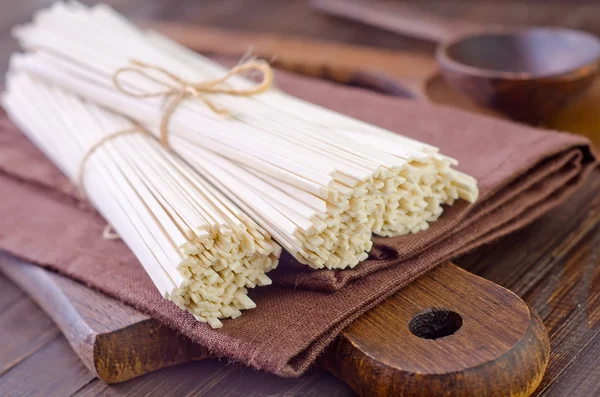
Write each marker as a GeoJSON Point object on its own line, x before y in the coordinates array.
{"type": "Point", "coordinates": [448, 332]}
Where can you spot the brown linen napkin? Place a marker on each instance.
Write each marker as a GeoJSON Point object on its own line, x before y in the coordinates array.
{"type": "Point", "coordinates": [522, 173]}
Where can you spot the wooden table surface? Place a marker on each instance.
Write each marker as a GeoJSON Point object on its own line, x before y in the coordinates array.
{"type": "Point", "coordinates": [554, 264]}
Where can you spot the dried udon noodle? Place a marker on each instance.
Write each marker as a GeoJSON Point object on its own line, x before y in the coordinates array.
{"type": "Point", "coordinates": [200, 250]}
{"type": "Point", "coordinates": [320, 183]}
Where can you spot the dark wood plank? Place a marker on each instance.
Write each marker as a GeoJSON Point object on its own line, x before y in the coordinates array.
{"type": "Point", "coordinates": [558, 273]}
{"type": "Point", "coordinates": [24, 328]}
{"type": "Point", "coordinates": [570, 301]}
{"type": "Point", "coordinates": [54, 370]}
{"type": "Point", "coordinates": [203, 379]}
{"type": "Point", "coordinates": [581, 379]}
{"type": "Point", "coordinates": [10, 293]}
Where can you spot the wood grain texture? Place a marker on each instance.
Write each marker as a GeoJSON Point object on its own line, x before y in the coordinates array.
{"type": "Point", "coordinates": [495, 331]}
{"type": "Point", "coordinates": [57, 372]}
{"type": "Point", "coordinates": [555, 245]}
{"type": "Point", "coordinates": [493, 343]}
{"type": "Point", "coordinates": [531, 96]}
{"type": "Point", "coordinates": [114, 341]}
{"type": "Point", "coordinates": [34, 356]}
{"type": "Point", "coordinates": [23, 326]}
{"type": "Point", "coordinates": [201, 378]}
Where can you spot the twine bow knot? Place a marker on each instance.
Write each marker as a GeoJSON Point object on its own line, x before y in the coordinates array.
{"type": "Point", "coordinates": [180, 89]}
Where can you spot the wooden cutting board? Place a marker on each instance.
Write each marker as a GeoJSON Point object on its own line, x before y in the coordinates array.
{"type": "Point", "coordinates": [449, 332]}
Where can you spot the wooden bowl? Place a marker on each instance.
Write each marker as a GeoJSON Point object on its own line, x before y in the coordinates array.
{"type": "Point", "coordinates": [526, 74]}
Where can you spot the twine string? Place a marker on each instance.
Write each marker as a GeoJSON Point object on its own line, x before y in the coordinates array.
{"type": "Point", "coordinates": [107, 233]}
{"type": "Point", "coordinates": [177, 89]}
{"type": "Point", "coordinates": [88, 155]}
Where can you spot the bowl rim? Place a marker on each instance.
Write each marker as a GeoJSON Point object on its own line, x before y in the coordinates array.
{"type": "Point", "coordinates": [448, 63]}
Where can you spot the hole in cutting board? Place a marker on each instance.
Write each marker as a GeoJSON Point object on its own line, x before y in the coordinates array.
{"type": "Point", "coordinates": [435, 323]}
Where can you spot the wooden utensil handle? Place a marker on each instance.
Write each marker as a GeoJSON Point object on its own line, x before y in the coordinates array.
{"type": "Point", "coordinates": [398, 18]}
{"type": "Point", "coordinates": [395, 73]}
{"type": "Point", "coordinates": [449, 331]}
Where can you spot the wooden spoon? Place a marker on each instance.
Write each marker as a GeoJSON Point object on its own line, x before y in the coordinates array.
{"type": "Point", "coordinates": [391, 72]}
{"type": "Point", "coordinates": [396, 73]}
{"type": "Point", "coordinates": [525, 73]}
